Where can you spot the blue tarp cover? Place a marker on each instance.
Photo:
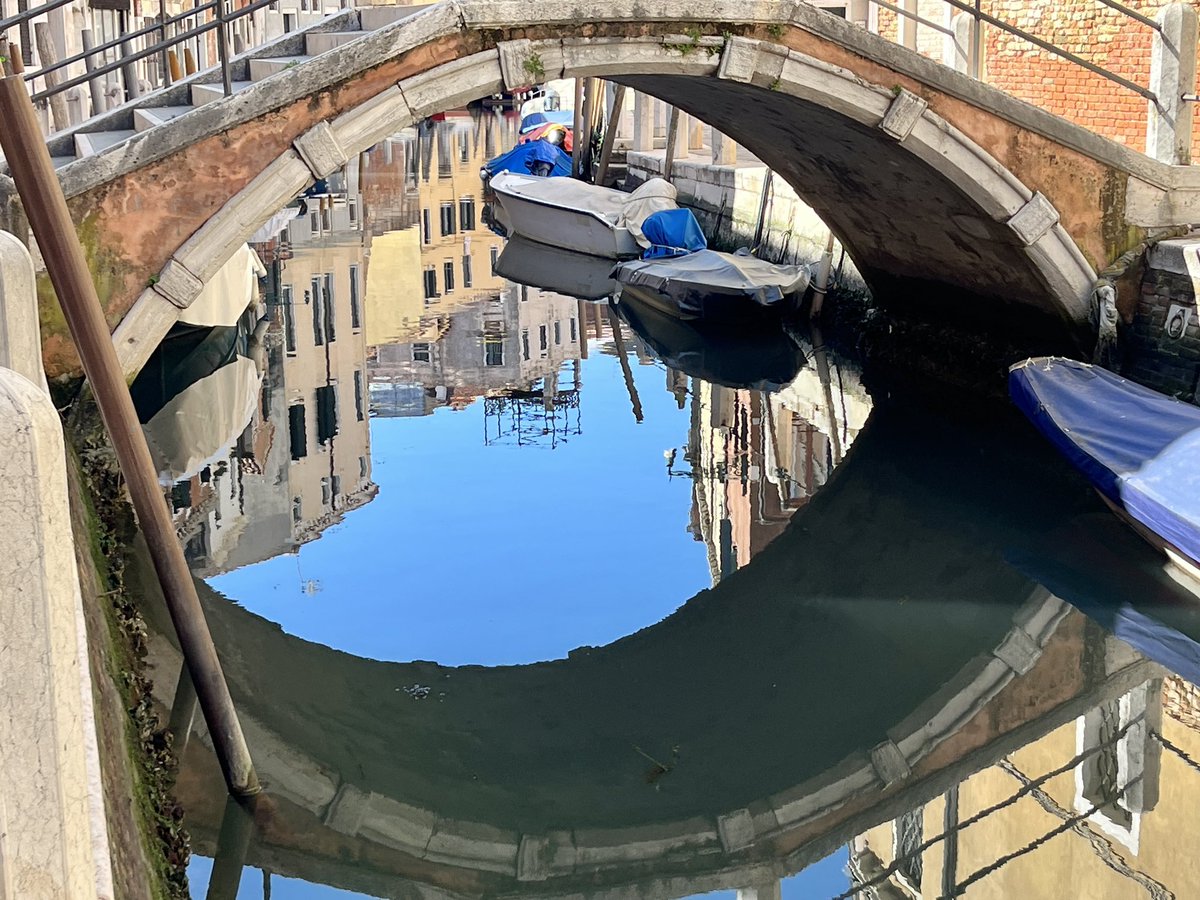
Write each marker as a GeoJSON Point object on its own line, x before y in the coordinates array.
{"type": "Point", "coordinates": [538, 119]}
{"type": "Point", "coordinates": [521, 159]}
{"type": "Point", "coordinates": [672, 232]}
{"type": "Point", "coordinates": [1139, 448]}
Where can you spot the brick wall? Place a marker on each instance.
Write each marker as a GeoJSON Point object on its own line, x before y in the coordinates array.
{"type": "Point", "coordinates": [1181, 700]}
{"type": "Point", "coordinates": [1086, 28]}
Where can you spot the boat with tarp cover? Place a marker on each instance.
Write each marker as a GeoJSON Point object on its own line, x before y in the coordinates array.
{"type": "Point", "coordinates": [1138, 448]}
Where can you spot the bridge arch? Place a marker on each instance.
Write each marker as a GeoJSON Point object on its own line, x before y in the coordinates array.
{"type": "Point", "coordinates": [943, 199]}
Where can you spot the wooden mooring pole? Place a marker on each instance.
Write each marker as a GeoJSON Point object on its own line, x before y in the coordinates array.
{"type": "Point", "coordinates": [610, 133]}
{"type": "Point", "coordinates": [46, 208]}
{"type": "Point", "coordinates": [672, 137]}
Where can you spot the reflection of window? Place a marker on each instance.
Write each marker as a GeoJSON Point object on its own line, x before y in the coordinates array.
{"type": "Point", "coordinates": [1119, 777]}
{"type": "Point", "coordinates": [327, 299]}
{"type": "Point", "coordinates": [352, 211]}
{"type": "Point", "coordinates": [327, 417]}
{"type": "Point", "coordinates": [574, 332]}
{"type": "Point", "coordinates": [426, 228]}
{"type": "Point", "coordinates": [326, 493]}
{"type": "Point", "coordinates": [362, 467]}
{"type": "Point", "coordinates": [297, 431]}
{"type": "Point", "coordinates": [466, 213]}
{"type": "Point", "coordinates": [181, 496]}
{"type": "Point", "coordinates": [557, 332]}
{"type": "Point", "coordinates": [297, 510]}
{"type": "Point", "coordinates": [289, 319]}
{"type": "Point", "coordinates": [327, 217]}
{"type": "Point", "coordinates": [318, 311]}
{"type": "Point", "coordinates": [495, 256]}
{"type": "Point", "coordinates": [430, 282]}
{"type": "Point", "coordinates": [525, 343]}
{"type": "Point", "coordinates": [908, 834]}
{"type": "Point", "coordinates": [493, 343]}
{"type": "Point", "coordinates": [335, 487]}
{"type": "Point", "coordinates": [355, 311]}
{"type": "Point", "coordinates": [448, 276]}
{"type": "Point", "coordinates": [422, 353]}
{"type": "Point", "coordinates": [359, 412]}
{"type": "Point", "coordinates": [314, 222]}
{"type": "Point", "coordinates": [466, 270]}
{"type": "Point", "coordinates": [543, 343]}
{"type": "Point", "coordinates": [464, 149]}
{"type": "Point", "coordinates": [447, 219]}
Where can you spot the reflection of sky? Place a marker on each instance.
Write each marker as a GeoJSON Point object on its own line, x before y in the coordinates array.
{"type": "Point", "coordinates": [820, 881]}
{"type": "Point", "coordinates": [499, 554]}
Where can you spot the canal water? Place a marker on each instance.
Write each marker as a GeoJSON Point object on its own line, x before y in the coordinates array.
{"type": "Point", "coordinates": [526, 595]}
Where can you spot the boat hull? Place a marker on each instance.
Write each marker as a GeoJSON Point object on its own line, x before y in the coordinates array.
{"type": "Point", "coordinates": [577, 230]}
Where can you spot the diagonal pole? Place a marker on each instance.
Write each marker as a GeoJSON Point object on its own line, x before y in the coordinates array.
{"type": "Point", "coordinates": [46, 209]}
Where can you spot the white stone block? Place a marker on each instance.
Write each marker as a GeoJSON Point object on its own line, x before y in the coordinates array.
{"type": "Point", "coordinates": [346, 811]}
{"type": "Point", "coordinates": [453, 84]}
{"type": "Point", "coordinates": [178, 284]}
{"type": "Point", "coordinates": [1018, 651]}
{"type": "Point", "coordinates": [20, 331]}
{"type": "Point", "coordinates": [739, 60]}
{"type": "Point", "coordinates": [903, 114]}
{"type": "Point", "coordinates": [361, 128]}
{"type": "Point", "coordinates": [1034, 219]}
{"type": "Point", "coordinates": [889, 763]}
{"type": "Point", "coordinates": [320, 150]}
{"type": "Point", "coordinates": [736, 830]}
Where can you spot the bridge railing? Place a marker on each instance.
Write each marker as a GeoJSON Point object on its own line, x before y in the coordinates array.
{"type": "Point", "coordinates": [176, 35]}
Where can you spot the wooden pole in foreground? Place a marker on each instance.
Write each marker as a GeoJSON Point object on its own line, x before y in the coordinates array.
{"type": "Point", "coordinates": [46, 209]}
{"type": "Point", "coordinates": [577, 129]}
{"type": "Point", "coordinates": [672, 137]}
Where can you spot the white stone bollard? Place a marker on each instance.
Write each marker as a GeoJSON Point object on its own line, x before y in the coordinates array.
{"type": "Point", "coordinates": [1172, 74]}
{"type": "Point", "coordinates": [53, 835]}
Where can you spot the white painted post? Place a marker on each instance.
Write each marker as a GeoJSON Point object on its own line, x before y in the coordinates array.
{"type": "Point", "coordinates": [858, 12]}
{"type": "Point", "coordinates": [724, 149]}
{"type": "Point", "coordinates": [768, 890]}
{"type": "Point", "coordinates": [1172, 74]}
{"type": "Point", "coordinates": [695, 139]}
{"type": "Point", "coordinates": [55, 841]}
{"type": "Point", "coordinates": [643, 122]}
{"type": "Point", "coordinates": [956, 49]}
{"type": "Point", "coordinates": [908, 25]}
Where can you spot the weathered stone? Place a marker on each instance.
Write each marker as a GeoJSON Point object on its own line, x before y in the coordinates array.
{"type": "Point", "coordinates": [738, 60]}
{"type": "Point", "coordinates": [736, 830]}
{"type": "Point", "coordinates": [320, 150]}
{"type": "Point", "coordinates": [178, 284]}
{"type": "Point", "coordinates": [1034, 219]}
{"type": "Point", "coordinates": [1018, 651]}
{"type": "Point", "coordinates": [902, 115]}
{"type": "Point", "coordinates": [347, 809]}
{"type": "Point", "coordinates": [889, 763]}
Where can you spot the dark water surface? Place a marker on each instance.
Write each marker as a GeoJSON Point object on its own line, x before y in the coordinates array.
{"type": "Point", "coordinates": [524, 595]}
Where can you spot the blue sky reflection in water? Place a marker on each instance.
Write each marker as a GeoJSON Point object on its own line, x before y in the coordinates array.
{"type": "Point", "coordinates": [499, 554]}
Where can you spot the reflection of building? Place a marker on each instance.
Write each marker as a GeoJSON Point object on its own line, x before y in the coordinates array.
{"type": "Point", "coordinates": [1116, 834]}
{"type": "Point", "coordinates": [324, 342]}
{"type": "Point", "coordinates": [431, 253]}
{"type": "Point", "coordinates": [304, 458]}
{"type": "Point", "coordinates": [757, 457]}
{"type": "Point", "coordinates": [496, 346]}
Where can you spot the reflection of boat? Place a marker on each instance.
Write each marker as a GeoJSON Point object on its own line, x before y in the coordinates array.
{"type": "Point", "coordinates": [1138, 448]}
{"type": "Point", "coordinates": [554, 269]}
{"type": "Point", "coordinates": [581, 217]}
{"type": "Point", "coordinates": [682, 277]}
{"type": "Point", "coordinates": [761, 358]}
{"type": "Point", "coordinates": [194, 398]}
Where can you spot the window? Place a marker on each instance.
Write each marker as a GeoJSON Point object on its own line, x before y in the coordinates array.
{"type": "Point", "coordinates": [525, 343]}
{"type": "Point", "coordinates": [314, 222]}
{"type": "Point", "coordinates": [466, 213]}
{"type": "Point", "coordinates": [447, 219]}
{"type": "Point", "coordinates": [359, 412]}
{"type": "Point", "coordinates": [557, 332]}
{"type": "Point", "coordinates": [493, 343]}
{"type": "Point", "coordinates": [355, 311]}
{"type": "Point", "coordinates": [908, 834]}
{"type": "Point", "coordinates": [426, 228]}
{"type": "Point", "coordinates": [327, 217]}
{"type": "Point", "coordinates": [464, 149]}
{"type": "Point", "coordinates": [327, 300]}
{"type": "Point", "coordinates": [422, 353]}
{"type": "Point", "coordinates": [327, 416]}
{"type": "Point", "coordinates": [335, 484]}
{"type": "Point", "coordinates": [352, 211]}
{"type": "Point", "coordinates": [574, 331]}
{"type": "Point", "coordinates": [289, 320]}
{"type": "Point", "coordinates": [289, 23]}
{"type": "Point", "coordinates": [362, 467]}
{"type": "Point", "coordinates": [297, 510]}
{"type": "Point", "coordinates": [297, 431]}
{"type": "Point", "coordinates": [431, 290]}
{"type": "Point", "coordinates": [466, 270]}
{"type": "Point", "coordinates": [495, 256]}
{"type": "Point", "coordinates": [181, 496]}
{"type": "Point", "coordinates": [543, 343]}
{"type": "Point", "coordinates": [448, 276]}
{"type": "Point", "coordinates": [318, 311]}
{"type": "Point", "coordinates": [326, 492]}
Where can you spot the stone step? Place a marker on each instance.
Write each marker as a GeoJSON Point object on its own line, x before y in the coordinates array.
{"type": "Point", "coordinates": [324, 41]}
{"type": "Point", "coordinates": [95, 141]}
{"type": "Point", "coordinates": [373, 17]}
{"type": "Point", "coordinates": [145, 119]}
{"type": "Point", "coordinates": [60, 161]}
{"type": "Point", "coordinates": [206, 93]}
{"type": "Point", "coordinates": [265, 68]}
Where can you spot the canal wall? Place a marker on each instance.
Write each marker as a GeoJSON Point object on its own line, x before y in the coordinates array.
{"type": "Point", "coordinates": [53, 827]}
{"type": "Point", "coordinates": [1162, 343]}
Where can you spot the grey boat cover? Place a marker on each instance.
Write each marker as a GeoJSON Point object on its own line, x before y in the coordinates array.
{"type": "Point", "coordinates": [713, 272]}
{"type": "Point", "coordinates": [653, 196]}
{"type": "Point", "coordinates": [566, 193]}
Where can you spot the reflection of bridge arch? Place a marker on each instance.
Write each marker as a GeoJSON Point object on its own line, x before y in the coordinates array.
{"type": "Point", "coordinates": [793, 691]}
{"type": "Point", "coordinates": [936, 183]}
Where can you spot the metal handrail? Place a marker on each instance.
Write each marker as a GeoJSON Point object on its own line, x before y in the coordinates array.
{"type": "Point", "coordinates": [22, 17]}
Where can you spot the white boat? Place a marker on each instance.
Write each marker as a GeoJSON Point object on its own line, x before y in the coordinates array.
{"type": "Point", "coordinates": [583, 218]}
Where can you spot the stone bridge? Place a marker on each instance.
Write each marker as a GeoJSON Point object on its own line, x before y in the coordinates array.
{"type": "Point", "coordinates": [947, 193]}
{"type": "Point", "coordinates": [789, 693]}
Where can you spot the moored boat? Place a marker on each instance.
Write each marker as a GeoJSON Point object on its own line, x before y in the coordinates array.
{"type": "Point", "coordinates": [679, 276]}
{"type": "Point", "coordinates": [584, 218]}
{"type": "Point", "coordinates": [554, 269]}
{"type": "Point", "coordinates": [538, 158]}
{"type": "Point", "coordinates": [1138, 448]}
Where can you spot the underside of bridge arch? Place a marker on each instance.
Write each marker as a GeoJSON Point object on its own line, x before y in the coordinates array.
{"type": "Point", "coordinates": [920, 241]}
